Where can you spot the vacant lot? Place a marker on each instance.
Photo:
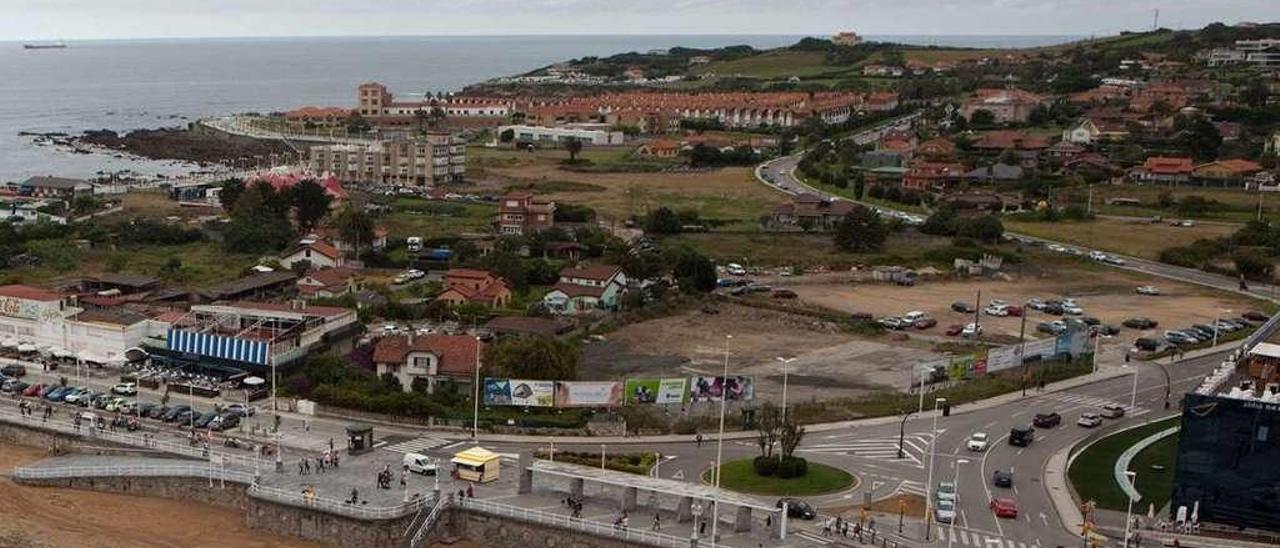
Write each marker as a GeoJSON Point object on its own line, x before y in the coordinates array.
{"type": "Point", "coordinates": [1232, 204]}
{"type": "Point", "coordinates": [430, 219]}
{"type": "Point", "coordinates": [774, 249]}
{"type": "Point", "coordinates": [1128, 237]}
{"type": "Point", "coordinates": [774, 64]}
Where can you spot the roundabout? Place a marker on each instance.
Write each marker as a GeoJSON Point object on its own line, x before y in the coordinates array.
{"type": "Point", "coordinates": [821, 479]}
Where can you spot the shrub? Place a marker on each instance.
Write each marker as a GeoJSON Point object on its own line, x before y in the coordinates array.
{"type": "Point", "coordinates": [792, 467]}
{"type": "Point", "coordinates": [765, 466]}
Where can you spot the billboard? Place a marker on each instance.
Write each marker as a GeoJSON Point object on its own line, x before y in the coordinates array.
{"type": "Point", "coordinates": [523, 393]}
{"type": "Point", "coordinates": [588, 394]}
{"type": "Point", "coordinates": [737, 388]}
{"type": "Point", "coordinates": [662, 391]}
{"type": "Point", "coordinates": [1041, 347]}
{"type": "Point", "coordinates": [1005, 357]}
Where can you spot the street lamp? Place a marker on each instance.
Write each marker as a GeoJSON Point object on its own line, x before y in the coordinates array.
{"type": "Point", "coordinates": [1216, 323]}
{"type": "Point", "coordinates": [928, 483]}
{"type": "Point", "coordinates": [785, 362]}
{"type": "Point", "coordinates": [1128, 515]}
{"type": "Point", "coordinates": [1133, 395]}
{"type": "Point", "coordinates": [475, 416]}
{"type": "Point", "coordinates": [724, 395]}
{"type": "Point", "coordinates": [955, 481]}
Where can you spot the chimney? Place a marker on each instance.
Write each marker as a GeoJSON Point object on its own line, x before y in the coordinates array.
{"type": "Point", "coordinates": [411, 338]}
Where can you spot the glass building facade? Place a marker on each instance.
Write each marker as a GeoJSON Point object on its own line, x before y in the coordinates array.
{"type": "Point", "coordinates": [1229, 462]}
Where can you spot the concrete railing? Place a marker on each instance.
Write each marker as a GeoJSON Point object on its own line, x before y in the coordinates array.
{"type": "Point", "coordinates": [335, 506]}
{"type": "Point", "coordinates": [1122, 463]}
{"type": "Point", "coordinates": [175, 470]}
{"type": "Point", "coordinates": [561, 521]}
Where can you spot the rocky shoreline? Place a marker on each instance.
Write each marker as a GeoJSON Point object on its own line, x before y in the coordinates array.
{"type": "Point", "coordinates": [178, 144]}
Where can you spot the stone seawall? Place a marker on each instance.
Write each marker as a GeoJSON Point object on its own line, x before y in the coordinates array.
{"type": "Point", "coordinates": [231, 495]}
{"type": "Point", "coordinates": [324, 527]}
{"type": "Point", "coordinates": [35, 436]}
{"type": "Point", "coordinates": [495, 532]}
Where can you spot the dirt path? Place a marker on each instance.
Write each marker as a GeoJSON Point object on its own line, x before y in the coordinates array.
{"type": "Point", "coordinates": [52, 517]}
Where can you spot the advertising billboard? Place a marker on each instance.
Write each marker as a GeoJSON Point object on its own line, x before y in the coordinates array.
{"type": "Point", "coordinates": [588, 394]}
{"type": "Point", "coordinates": [1005, 357]}
{"type": "Point", "coordinates": [661, 391]}
{"type": "Point", "coordinates": [523, 393]}
{"type": "Point", "coordinates": [736, 387]}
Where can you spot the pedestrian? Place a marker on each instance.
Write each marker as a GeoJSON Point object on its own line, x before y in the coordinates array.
{"type": "Point", "coordinates": [768, 520]}
{"type": "Point", "coordinates": [702, 526]}
{"type": "Point", "coordinates": [1126, 358]}
{"type": "Point", "coordinates": [306, 425]}
{"type": "Point", "coordinates": [330, 445]}
{"type": "Point", "coordinates": [402, 480]}
{"type": "Point", "coordinates": [306, 465]}
{"type": "Point", "coordinates": [335, 460]}
{"type": "Point", "coordinates": [319, 465]}
{"type": "Point", "coordinates": [470, 493]}
{"type": "Point", "coordinates": [699, 438]}
{"type": "Point", "coordinates": [299, 467]}
{"type": "Point", "coordinates": [657, 521]}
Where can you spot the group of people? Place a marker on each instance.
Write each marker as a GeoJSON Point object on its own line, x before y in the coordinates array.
{"type": "Point", "coordinates": [840, 526]}
{"type": "Point", "coordinates": [384, 477]}
{"type": "Point", "coordinates": [575, 507]}
{"type": "Point", "coordinates": [27, 408]}
{"type": "Point", "coordinates": [326, 460]}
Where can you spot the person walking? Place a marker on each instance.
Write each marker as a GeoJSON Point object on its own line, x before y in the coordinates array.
{"type": "Point", "coordinates": [657, 521]}
{"type": "Point", "coordinates": [698, 437]}
{"type": "Point", "coordinates": [299, 467]}
{"type": "Point", "coordinates": [470, 493]}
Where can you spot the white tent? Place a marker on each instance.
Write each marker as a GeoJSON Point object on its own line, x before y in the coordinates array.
{"type": "Point", "coordinates": [59, 352]}
{"type": "Point", "coordinates": [254, 381]}
{"type": "Point", "coordinates": [9, 343]}
{"type": "Point", "coordinates": [87, 356]}
{"type": "Point", "coordinates": [26, 348]}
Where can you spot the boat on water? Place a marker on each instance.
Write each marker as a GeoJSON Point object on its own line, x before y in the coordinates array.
{"type": "Point", "coordinates": [47, 45]}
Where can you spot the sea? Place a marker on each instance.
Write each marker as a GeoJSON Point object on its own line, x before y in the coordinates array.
{"type": "Point", "coordinates": [130, 84]}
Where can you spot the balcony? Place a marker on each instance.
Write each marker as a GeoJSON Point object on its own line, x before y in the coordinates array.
{"type": "Point", "coordinates": [457, 160]}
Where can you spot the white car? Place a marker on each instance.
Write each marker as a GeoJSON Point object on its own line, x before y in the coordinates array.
{"type": "Point", "coordinates": [401, 278]}
{"type": "Point", "coordinates": [978, 441]}
{"type": "Point", "coordinates": [1070, 302]}
{"type": "Point", "coordinates": [1057, 248]}
{"type": "Point", "coordinates": [971, 330]}
{"type": "Point", "coordinates": [1072, 310]}
{"type": "Point", "coordinates": [994, 309]}
{"type": "Point", "coordinates": [946, 491]}
{"type": "Point", "coordinates": [945, 511]}
{"type": "Point", "coordinates": [415, 274]}
{"type": "Point", "coordinates": [1148, 290]}
{"type": "Point", "coordinates": [125, 389]}
{"type": "Point", "coordinates": [1097, 255]}
{"type": "Point", "coordinates": [735, 269]}
{"type": "Point", "coordinates": [1089, 420]}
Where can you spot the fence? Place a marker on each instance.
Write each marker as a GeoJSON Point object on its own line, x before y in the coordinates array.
{"type": "Point", "coordinates": [417, 532]}
{"type": "Point", "coordinates": [562, 521]}
{"type": "Point", "coordinates": [177, 469]}
{"type": "Point", "coordinates": [335, 506]}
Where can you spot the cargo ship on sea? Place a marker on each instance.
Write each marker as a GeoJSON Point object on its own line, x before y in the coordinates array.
{"type": "Point", "coordinates": [50, 45]}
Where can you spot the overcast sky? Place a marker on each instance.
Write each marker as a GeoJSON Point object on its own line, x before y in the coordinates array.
{"type": "Point", "coordinates": [78, 19]}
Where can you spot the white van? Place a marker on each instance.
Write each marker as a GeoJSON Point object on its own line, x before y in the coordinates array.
{"type": "Point", "coordinates": [914, 316]}
{"type": "Point", "coordinates": [420, 464]}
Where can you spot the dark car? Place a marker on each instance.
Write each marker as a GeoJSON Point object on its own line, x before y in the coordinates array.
{"type": "Point", "coordinates": [1002, 479]}
{"type": "Point", "coordinates": [784, 294]}
{"type": "Point", "coordinates": [1090, 320]}
{"type": "Point", "coordinates": [1252, 315]}
{"type": "Point", "coordinates": [1107, 330]}
{"type": "Point", "coordinates": [1140, 323]}
{"type": "Point", "coordinates": [1146, 345]}
{"type": "Point", "coordinates": [225, 421]}
{"type": "Point", "coordinates": [861, 317]}
{"type": "Point", "coordinates": [963, 307]}
{"type": "Point", "coordinates": [173, 413]}
{"type": "Point", "coordinates": [56, 393]}
{"type": "Point", "coordinates": [797, 508]}
{"type": "Point", "coordinates": [925, 323]}
{"type": "Point", "coordinates": [203, 419]}
{"type": "Point", "coordinates": [100, 401]}
{"type": "Point", "coordinates": [158, 412]}
{"type": "Point", "coordinates": [1022, 436]}
{"type": "Point", "coordinates": [1047, 420]}
{"type": "Point", "coordinates": [144, 410]}
{"type": "Point", "coordinates": [1053, 308]}
{"type": "Point", "coordinates": [180, 415]}
{"type": "Point", "coordinates": [14, 370]}
{"type": "Point", "coordinates": [1050, 328]}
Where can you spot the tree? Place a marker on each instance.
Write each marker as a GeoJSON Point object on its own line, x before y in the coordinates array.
{"type": "Point", "coordinates": [574, 146]}
{"type": "Point", "coordinates": [768, 428]}
{"type": "Point", "coordinates": [310, 202]}
{"type": "Point", "coordinates": [789, 436]}
{"type": "Point", "coordinates": [358, 124]}
{"type": "Point", "coordinates": [538, 357]}
{"type": "Point", "coordinates": [1253, 265]}
{"type": "Point", "coordinates": [942, 222]}
{"type": "Point", "coordinates": [982, 118]}
{"type": "Point", "coordinates": [255, 226]}
{"type": "Point", "coordinates": [986, 228]}
{"type": "Point", "coordinates": [693, 271]}
{"type": "Point", "coordinates": [422, 118]}
{"type": "Point", "coordinates": [859, 185]}
{"type": "Point", "coordinates": [662, 221]}
{"type": "Point", "coordinates": [862, 230]}
{"type": "Point", "coordinates": [507, 135]}
{"type": "Point", "coordinates": [355, 227]}
{"type": "Point", "coordinates": [230, 192]}
{"type": "Point", "coordinates": [1255, 94]}
{"type": "Point", "coordinates": [1198, 136]}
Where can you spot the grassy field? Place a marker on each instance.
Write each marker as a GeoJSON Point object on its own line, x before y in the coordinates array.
{"type": "Point", "coordinates": [773, 64]}
{"type": "Point", "coordinates": [1092, 471]}
{"type": "Point", "coordinates": [428, 219]}
{"type": "Point", "coordinates": [1134, 238]}
{"type": "Point", "coordinates": [203, 264]}
{"type": "Point", "coordinates": [739, 475]}
{"type": "Point", "coordinates": [800, 249]}
{"type": "Point", "coordinates": [1236, 205]}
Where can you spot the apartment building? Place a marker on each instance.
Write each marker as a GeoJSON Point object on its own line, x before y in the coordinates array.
{"type": "Point", "coordinates": [374, 101]}
{"type": "Point", "coordinates": [521, 213]}
{"type": "Point", "coordinates": [422, 161]}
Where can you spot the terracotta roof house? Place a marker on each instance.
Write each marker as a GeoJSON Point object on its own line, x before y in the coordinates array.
{"type": "Point", "coordinates": [811, 212]}
{"type": "Point", "coordinates": [1088, 131]}
{"type": "Point", "coordinates": [1225, 172]}
{"type": "Point", "coordinates": [932, 175]}
{"type": "Point", "coordinates": [1005, 105]}
{"type": "Point", "coordinates": [992, 173]}
{"type": "Point", "coordinates": [939, 149]}
{"type": "Point", "coordinates": [1161, 169]}
{"type": "Point", "coordinates": [327, 283]}
{"type": "Point", "coordinates": [1000, 140]}
{"type": "Point", "coordinates": [582, 290]}
{"type": "Point", "coordinates": [319, 253]}
{"type": "Point", "coordinates": [333, 236]}
{"type": "Point", "coordinates": [435, 358]}
{"type": "Point", "coordinates": [521, 213]}
{"type": "Point", "coordinates": [1064, 150]}
{"type": "Point", "coordinates": [1090, 165]}
{"type": "Point", "coordinates": [464, 285]}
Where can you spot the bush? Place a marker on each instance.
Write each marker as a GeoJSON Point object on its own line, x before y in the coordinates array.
{"type": "Point", "coordinates": [765, 466]}
{"type": "Point", "coordinates": [792, 467]}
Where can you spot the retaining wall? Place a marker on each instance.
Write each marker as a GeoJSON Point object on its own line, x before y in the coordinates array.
{"type": "Point", "coordinates": [496, 532]}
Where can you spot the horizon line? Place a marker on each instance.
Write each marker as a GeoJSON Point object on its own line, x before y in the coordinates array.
{"type": "Point", "coordinates": [545, 35]}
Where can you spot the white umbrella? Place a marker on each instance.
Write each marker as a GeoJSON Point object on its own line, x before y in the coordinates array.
{"type": "Point", "coordinates": [59, 352]}
{"type": "Point", "coordinates": [9, 343]}
{"type": "Point", "coordinates": [1195, 512]}
{"type": "Point", "coordinates": [88, 356]}
{"type": "Point", "coordinates": [1151, 511]}
{"type": "Point", "coordinates": [1182, 513]}
{"type": "Point", "coordinates": [26, 348]}
{"type": "Point", "coordinates": [254, 381]}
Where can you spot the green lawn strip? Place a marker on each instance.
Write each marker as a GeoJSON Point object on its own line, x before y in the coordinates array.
{"type": "Point", "coordinates": [1156, 486]}
{"type": "Point", "coordinates": [1092, 470]}
{"type": "Point", "coordinates": [740, 475]}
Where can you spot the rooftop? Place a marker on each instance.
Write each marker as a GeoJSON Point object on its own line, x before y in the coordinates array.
{"type": "Point", "coordinates": [28, 293]}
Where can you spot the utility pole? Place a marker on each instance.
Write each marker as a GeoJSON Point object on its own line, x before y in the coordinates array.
{"type": "Point", "coordinates": [1022, 345]}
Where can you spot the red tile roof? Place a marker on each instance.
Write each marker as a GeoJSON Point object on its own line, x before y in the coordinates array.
{"type": "Point", "coordinates": [575, 290]}
{"type": "Point", "coordinates": [598, 273]}
{"type": "Point", "coordinates": [1006, 139]}
{"type": "Point", "coordinates": [28, 292]}
{"type": "Point", "coordinates": [322, 247]}
{"type": "Point", "coordinates": [457, 353]}
{"type": "Point", "coordinates": [1166, 165]}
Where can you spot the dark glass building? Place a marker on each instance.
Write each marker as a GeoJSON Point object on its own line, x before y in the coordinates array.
{"type": "Point", "coordinates": [1229, 461]}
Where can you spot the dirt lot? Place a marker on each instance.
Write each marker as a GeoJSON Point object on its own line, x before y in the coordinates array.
{"type": "Point", "coordinates": [48, 517]}
{"type": "Point", "coordinates": [828, 360]}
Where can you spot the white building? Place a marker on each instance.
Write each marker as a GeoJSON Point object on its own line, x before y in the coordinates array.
{"type": "Point", "coordinates": [34, 320]}
{"type": "Point", "coordinates": [595, 134]}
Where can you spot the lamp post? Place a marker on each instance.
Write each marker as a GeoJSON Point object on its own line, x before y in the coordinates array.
{"type": "Point", "coordinates": [955, 480]}
{"type": "Point", "coordinates": [1217, 319]}
{"type": "Point", "coordinates": [902, 433]}
{"type": "Point", "coordinates": [785, 362]}
{"type": "Point", "coordinates": [1167, 381]}
{"type": "Point", "coordinates": [928, 483]}
{"type": "Point", "coordinates": [724, 395]}
{"type": "Point", "coordinates": [1133, 394]}
{"type": "Point", "coordinates": [475, 414]}
{"type": "Point", "coordinates": [1128, 515]}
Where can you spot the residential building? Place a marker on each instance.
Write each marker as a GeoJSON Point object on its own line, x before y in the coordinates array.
{"type": "Point", "coordinates": [1005, 105]}
{"type": "Point", "coordinates": [34, 320]}
{"type": "Point", "coordinates": [1160, 169]}
{"type": "Point", "coordinates": [327, 283]}
{"type": "Point", "coordinates": [23, 210]}
{"type": "Point", "coordinates": [422, 162]}
{"type": "Point", "coordinates": [333, 236]}
{"type": "Point", "coordinates": [926, 176]}
{"type": "Point", "coordinates": [375, 102]}
{"type": "Point", "coordinates": [55, 187]}
{"type": "Point", "coordinates": [1064, 150]}
{"type": "Point", "coordinates": [731, 109]}
{"type": "Point", "coordinates": [587, 134]}
{"type": "Point", "coordinates": [1226, 172]}
{"type": "Point", "coordinates": [582, 290]}
{"type": "Point", "coordinates": [940, 149]}
{"type": "Point", "coordinates": [994, 173]}
{"type": "Point", "coordinates": [317, 253]}
{"type": "Point", "coordinates": [883, 70]}
{"type": "Point", "coordinates": [1094, 167]}
{"type": "Point", "coordinates": [1089, 131]}
{"type": "Point", "coordinates": [434, 358]}
{"type": "Point", "coordinates": [1002, 140]}
{"type": "Point", "coordinates": [1272, 144]}
{"type": "Point", "coordinates": [260, 285]}
{"type": "Point", "coordinates": [282, 182]}
{"type": "Point", "coordinates": [318, 117]}
{"type": "Point", "coordinates": [464, 285]}
{"type": "Point", "coordinates": [521, 213]}
{"type": "Point", "coordinates": [811, 212]}
{"type": "Point", "coordinates": [846, 38]}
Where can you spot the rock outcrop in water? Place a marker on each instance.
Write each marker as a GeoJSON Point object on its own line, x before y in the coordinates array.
{"type": "Point", "coordinates": [184, 145]}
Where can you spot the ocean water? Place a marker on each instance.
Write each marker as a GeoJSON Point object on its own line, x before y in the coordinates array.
{"type": "Point", "coordinates": [129, 84]}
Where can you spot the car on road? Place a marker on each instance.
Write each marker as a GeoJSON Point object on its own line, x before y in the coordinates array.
{"type": "Point", "coordinates": [1046, 420]}
{"type": "Point", "coordinates": [946, 491]}
{"type": "Point", "coordinates": [1112, 411]}
{"type": "Point", "coordinates": [1089, 420]}
{"type": "Point", "coordinates": [797, 508]}
{"type": "Point", "coordinates": [1002, 478]}
{"type": "Point", "coordinates": [977, 441]}
{"type": "Point", "coordinates": [1113, 260]}
{"type": "Point", "coordinates": [962, 307]}
{"type": "Point", "coordinates": [971, 330]}
{"type": "Point", "coordinates": [1004, 507]}
{"type": "Point", "coordinates": [1022, 436]}
{"type": "Point", "coordinates": [1140, 323]}
{"type": "Point", "coordinates": [125, 389]}
{"type": "Point", "coordinates": [1150, 290]}
{"type": "Point", "coordinates": [945, 511]}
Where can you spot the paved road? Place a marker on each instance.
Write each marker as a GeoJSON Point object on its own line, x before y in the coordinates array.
{"type": "Point", "coordinates": [780, 173]}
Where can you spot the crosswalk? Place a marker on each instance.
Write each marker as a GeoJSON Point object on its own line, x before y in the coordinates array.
{"type": "Point", "coordinates": [1094, 403]}
{"type": "Point", "coordinates": [914, 448]}
{"type": "Point", "coordinates": [417, 445]}
{"type": "Point", "coordinates": [961, 537]}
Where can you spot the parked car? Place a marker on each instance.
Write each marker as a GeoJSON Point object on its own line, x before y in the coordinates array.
{"type": "Point", "coordinates": [1035, 304]}
{"type": "Point", "coordinates": [14, 370]}
{"type": "Point", "coordinates": [1146, 345]}
{"type": "Point", "coordinates": [797, 508]}
{"type": "Point", "coordinates": [115, 405]}
{"type": "Point", "coordinates": [1179, 338]}
{"type": "Point", "coordinates": [946, 491]}
{"type": "Point", "coordinates": [925, 323]}
{"type": "Point", "coordinates": [1046, 420]}
{"type": "Point", "coordinates": [1089, 420]}
{"type": "Point", "coordinates": [1072, 310]}
{"type": "Point", "coordinates": [735, 269]}
{"type": "Point", "coordinates": [954, 329]}
{"type": "Point", "coordinates": [1106, 330]}
{"type": "Point", "coordinates": [1148, 290]}
{"type": "Point", "coordinates": [225, 421]}
{"type": "Point", "coordinates": [1140, 323]}
{"type": "Point", "coordinates": [158, 412]}
{"type": "Point", "coordinates": [242, 409]}
{"type": "Point", "coordinates": [1004, 508]}
{"type": "Point", "coordinates": [1052, 328]}
{"type": "Point", "coordinates": [962, 307]}
{"type": "Point", "coordinates": [1112, 411]}
{"type": "Point", "coordinates": [144, 410]}
{"type": "Point", "coordinates": [1002, 478]}
{"type": "Point", "coordinates": [55, 394]}
{"type": "Point", "coordinates": [996, 310]}
{"type": "Point", "coordinates": [33, 390]}
{"type": "Point", "coordinates": [1014, 310]}
{"type": "Point", "coordinates": [1252, 315]}
{"type": "Point", "coordinates": [125, 389]}
{"type": "Point", "coordinates": [971, 330]}
{"type": "Point", "coordinates": [73, 395]}
{"type": "Point", "coordinates": [15, 386]}
{"type": "Point", "coordinates": [204, 419]}
{"type": "Point", "coordinates": [100, 401]}
{"type": "Point", "coordinates": [1052, 308]}
{"type": "Point", "coordinates": [892, 322]}
{"type": "Point", "coordinates": [977, 441]}
{"type": "Point", "coordinates": [174, 412]}
{"type": "Point", "coordinates": [1090, 321]}
{"type": "Point", "coordinates": [945, 511]}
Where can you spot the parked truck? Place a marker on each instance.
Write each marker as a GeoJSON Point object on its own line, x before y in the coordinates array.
{"type": "Point", "coordinates": [414, 243]}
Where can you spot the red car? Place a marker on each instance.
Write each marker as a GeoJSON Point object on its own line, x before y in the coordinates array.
{"type": "Point", "coordinates": [953, 330]}
{"type": "Point", "coordinates": [33, 390]}
{"type": "Point", "coordinates": [1014, 310]}
{"type": "Point", "coordinates": [1005, 508]}
{"type": "Point", "coordinates": [926, 323]}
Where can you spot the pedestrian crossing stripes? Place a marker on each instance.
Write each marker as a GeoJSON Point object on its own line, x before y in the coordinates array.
{"type": "Point", "coordinates": [912, 488]}
{"type": "Point", "coordinates": [815, 538]}
{"type": "Point", "coordinates": [961, 537]}
{"type": "Point", "coordinates": [1094, 403]}
{"type": "Point", "coordinates": [914, 448]}
{"type": "Point", "coordinates": [417, 445]}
